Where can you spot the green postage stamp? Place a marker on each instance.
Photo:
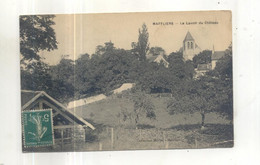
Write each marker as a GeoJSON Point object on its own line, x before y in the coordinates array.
{"type": "Point", "coordinates": [37, 128]}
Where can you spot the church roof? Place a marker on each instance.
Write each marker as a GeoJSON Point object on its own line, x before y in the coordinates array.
{"type": "Point", "coordinates": [217, 55]}
{"type": "Point", "coordinates": [188, 37]}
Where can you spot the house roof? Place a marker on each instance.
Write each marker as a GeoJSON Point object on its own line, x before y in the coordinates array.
{"type": "Point", "coordinates": [151, 58]}
{"type": "Point", "coordinates": [157, 59]}
{"type": "Point", "coordinates": [217, 55]}
{"type": "Point", "coordinates": [188, 37]}
{"type": "Point", "coordinates": [28, 97]}
{"type": "Point", "coordinates": [202, 67]}
{"type": "Point", "coordinates": [160, 58]}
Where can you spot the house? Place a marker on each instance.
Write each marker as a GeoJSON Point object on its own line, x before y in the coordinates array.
{"type": "Point", "coordinates": [202, 69]}
{"type": "Point", "coordinates": [66, 124]}
{"type": "Point", "coordinates": [158, 59]}
{"type": "Point", "coordinates": [190, 47]}
{"type": "Point", "coordinates": [216, 56]}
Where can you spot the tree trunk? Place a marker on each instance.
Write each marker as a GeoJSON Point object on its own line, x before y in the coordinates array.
{"type": "Point", "coordinates": [136, 121]}
{"type": "Point", "coordinates": [202, 120]}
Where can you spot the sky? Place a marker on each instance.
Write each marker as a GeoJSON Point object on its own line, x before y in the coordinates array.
{"type": "Point", "coordinates": [78, 34]}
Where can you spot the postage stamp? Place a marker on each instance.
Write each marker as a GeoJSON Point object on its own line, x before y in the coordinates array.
{"type": "Point", "coordinates": [37, 128]}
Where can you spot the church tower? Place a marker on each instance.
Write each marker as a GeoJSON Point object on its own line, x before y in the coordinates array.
{"type": "Point", "coordinates": [190, 48]}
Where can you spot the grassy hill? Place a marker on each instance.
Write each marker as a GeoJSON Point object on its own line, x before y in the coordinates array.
{"type": "Point", "coordinates": [109, 112]}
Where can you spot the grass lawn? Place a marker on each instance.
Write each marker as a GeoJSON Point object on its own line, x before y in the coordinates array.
{"type": "Point", "coordinates": [167, 131]}
{"type": "Point", "coordinates": [108, 112]}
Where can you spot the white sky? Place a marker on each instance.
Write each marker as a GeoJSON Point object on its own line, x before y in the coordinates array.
{"type": "Point", "coordinates": [81, 33]}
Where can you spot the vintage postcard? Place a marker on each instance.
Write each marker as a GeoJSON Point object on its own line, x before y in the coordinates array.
{"type": "Point", "coordinates": [126, 81]}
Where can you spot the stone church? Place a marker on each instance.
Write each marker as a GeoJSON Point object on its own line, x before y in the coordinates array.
{"type": "Point", "coordinates": [190, 47]}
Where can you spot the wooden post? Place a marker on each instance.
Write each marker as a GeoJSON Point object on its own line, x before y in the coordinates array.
{"type": "Point", "coordinates": [196, 143]}
{"type": "Point", "coordinates": [166, 144]}
{"type": "Point", "coordinates": [40, 105]}
{"type": "Point", "coordinates": [140, 134]}
{"type": "Point", "coordinates": [100, 146]}
{"type": "Point", "coordinates": [61, 139]}
{"type": "Point", "coordinates": [112, 138]}
{"type": "Point", "coordinates": [163, 137]}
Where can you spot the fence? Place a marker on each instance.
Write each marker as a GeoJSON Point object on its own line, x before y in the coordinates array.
{"type": "Point", "coordinates": [66, 134]}
{"type": "Point", "coordinates": [121, 139]}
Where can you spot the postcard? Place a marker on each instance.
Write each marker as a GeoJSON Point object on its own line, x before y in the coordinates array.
{"type": "Point", "coordinates": [126, 81]}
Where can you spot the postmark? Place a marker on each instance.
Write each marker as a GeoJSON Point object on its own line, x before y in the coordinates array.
{"type": "Point", "coordinates": [37, 128]}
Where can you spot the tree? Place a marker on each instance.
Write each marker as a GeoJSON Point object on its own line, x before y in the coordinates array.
{"type": "Point", "coordinates": [36, 77]}
{"type": "Point", "coordinates": [63, 80]}
{"type": "Point", "coordinates": [142, 106]}
{"type": "Point", "coordinates": [201, 98]}
{"type": "Point", "coordinates": [36, 34]}
{"type": "Point", "coordinates": [212, 92]}
{"type": "Point", "coordinates": [100, 50]}
{"type": "Point", "coordinates": [223, 76]}
{"type": "Point", "coordinates": [177, 64]}
{"type": "Point", "coordinates": [203, 57]}
{"type": "Point", "coordinates": [142, 46]}
{"type": "Point", "coordinates": [64, 70]}
{"type": "Point", "coordinates": [155, 51]}
{"type": "Point", "coordinates": [104, 72]}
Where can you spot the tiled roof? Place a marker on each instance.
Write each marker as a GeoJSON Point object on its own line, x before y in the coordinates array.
{"type": "Point", "coordinates": [203, 67]}
{"type": "Point", "coordinates": [217, 55]}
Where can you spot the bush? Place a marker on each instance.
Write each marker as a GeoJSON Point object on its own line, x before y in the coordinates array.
{"type": "Point", "coordinates": [145, 126]}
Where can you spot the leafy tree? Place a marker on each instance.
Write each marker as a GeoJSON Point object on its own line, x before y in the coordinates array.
{"type": "Point", "coordinates": [201, 98]}
{"type": "Point", "coordinates": [142, 106]}
{"type": "Point", "coordinates": [36, 34]}
{"type": "Point", "coordinates": [212, 92]}
{"type": "Point", "coordinates": [141, 48]}
{"type": "Point", "coordinates": [223, 76]}
{"type": "Point", "coordinates": [64, 70]}
{"type": "Point", "coordinates": [36, 77]}
{"type": "Point", "coordinates": [189, 69]}
{"type": "Point", "coordinates": [155, 78]}
{"type": "Point", "coordinates": [155, 51]}
{"type": "Point", "coordinates": [109, 46]}
{"type": "Point", "coordinates": [104, 72]}
{"type": "Point", "coordinates": [203, 57]}
{"type": "Point", "coordinates": [63, 80]}
{"type": "Point", "coordinates": [177, 64]}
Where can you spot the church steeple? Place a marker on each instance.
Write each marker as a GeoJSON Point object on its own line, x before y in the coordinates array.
{"type": "Point", "coordinates": [189, 47]}
{"type": "Point", "coordinates": [188, 37]}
